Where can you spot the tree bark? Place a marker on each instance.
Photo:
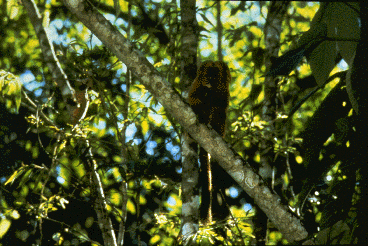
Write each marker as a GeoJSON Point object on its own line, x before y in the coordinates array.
{"type": "Point", "coordinates": [190, 187]}
{"type": "Point", "coordinates": [212, 142]}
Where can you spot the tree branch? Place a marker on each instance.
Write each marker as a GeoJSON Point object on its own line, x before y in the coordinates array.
{"type": "Point", "coordinates": [213, 143]}
{"type": "Point", "coordinates": [48, 52]}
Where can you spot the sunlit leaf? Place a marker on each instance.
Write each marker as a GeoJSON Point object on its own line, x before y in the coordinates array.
{"type": "Point", "coordinates": [10, 90]}
{"type": "Point", "coordinates": [13, 9]}
{"type": "Point", "coordinates": [155, 239]}
{"type": "Point", "coordinates": [131, 207]}
{"type": "Point", "coordinates": [4, 227]}
{"type": "Point", "coordinates": [16, 174]}
{"type": "Point", "coordinates": [25, 178]}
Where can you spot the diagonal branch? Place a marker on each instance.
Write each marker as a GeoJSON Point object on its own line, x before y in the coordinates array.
{"type": "Point", "coordinates": [213, 143]}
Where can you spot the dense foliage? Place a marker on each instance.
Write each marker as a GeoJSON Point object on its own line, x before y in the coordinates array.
{"type": "Point", "coordinates": [60, 148]}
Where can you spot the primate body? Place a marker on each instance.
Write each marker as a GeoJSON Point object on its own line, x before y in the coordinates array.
{"type": "Point", "coordinates": [209, 98]}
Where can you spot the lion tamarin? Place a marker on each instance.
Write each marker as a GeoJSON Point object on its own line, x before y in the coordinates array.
{"type": "Point", "coordinates": [209, 98]}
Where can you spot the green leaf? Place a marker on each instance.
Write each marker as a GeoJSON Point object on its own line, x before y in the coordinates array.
{"type": "Point", "coordinates": [322, 61]}
{"type": "Point", "coordinates": [350, 91]}
{"type": "Point", "coordinates": [4, 227]}
{"type": "Point", "coordinates": [344, 24]}
{"type": "Point", "coordinates": [12, 9]}
{"type": "Point", "coordinates": [25, 177]}
{"type": "Point", "coordinates": [16, 174]}
{"type": "Point", "coordinates": [10, 90]}
{"type": "Point", "coordinates": [206, 19]}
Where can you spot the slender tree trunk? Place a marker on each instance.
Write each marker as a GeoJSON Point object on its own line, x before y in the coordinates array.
{"type": "Point", "coordinates": [276, 12]}
{"type": "Point", "coordinates": [190, 192]}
